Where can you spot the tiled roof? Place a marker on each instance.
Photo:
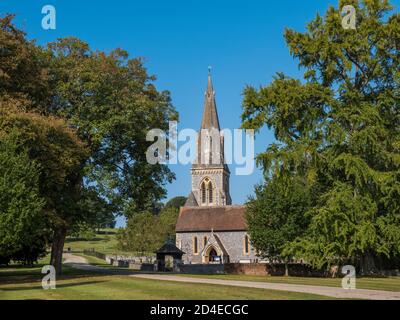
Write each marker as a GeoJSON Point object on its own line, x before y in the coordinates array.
{"type": "Point", "coordinates": [210, 114]}
{"type": "Point", "coordinates": [227, 218]}
{"type": "Point", "coordinates": [169, 248]}
{"type": "Point", "coordinates": [191, 201]}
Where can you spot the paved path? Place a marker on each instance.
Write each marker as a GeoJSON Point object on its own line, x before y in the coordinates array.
{"type": "Point", "coordinates": [333, 292]}
{"type": "Point", "coordinates": [81, 263]}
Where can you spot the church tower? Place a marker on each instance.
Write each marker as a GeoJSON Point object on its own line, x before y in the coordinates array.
{"type": "Point", "coordinates": [210, 174]}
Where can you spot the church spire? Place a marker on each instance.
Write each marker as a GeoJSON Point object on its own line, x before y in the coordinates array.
{"type": "Point", "coordinates": [210, 115]}
{"type": "Point", "coordinates": [210, 173]}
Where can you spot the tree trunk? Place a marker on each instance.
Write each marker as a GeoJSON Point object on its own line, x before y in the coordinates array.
{"type": "Point", "coordinates": [57, 249]}
{"type": "Point", "coordinates": [367, 264]}
{"type": "Point", "coordinates": [286, 269]}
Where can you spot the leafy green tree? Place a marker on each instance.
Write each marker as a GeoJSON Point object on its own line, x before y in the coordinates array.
{"type": "Point", "coordinates": [339, 129]}
{"type": "Point", "coordinates": [109, 100]}
{"type": "Point", "coordinates": [60, 155]}
{"type": "Point", "coordinates": [167, 222]}
{"type": "Point", "coordinates": [23, 225]}
{"type": "Point", "coordinates": [146, 232]}
{"type": "Point", "coordinates": [23, 72]}
{"type": "Point", "coordinates": [275, 216]}
{"type": "Point", "coordinates": [99, 212]}
{"type": "Point", "coordinates": [140, 235]}
{"type": "Point", "coordinates": [176, 202]}
{"type": "Point", "coordinates": [113, 103]}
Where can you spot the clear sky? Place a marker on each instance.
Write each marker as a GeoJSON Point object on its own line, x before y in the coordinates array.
{"type": "Point", "coordinates": [242, 41]}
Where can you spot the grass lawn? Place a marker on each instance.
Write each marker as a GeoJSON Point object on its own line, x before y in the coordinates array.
{"type": "Point", "coordinates": [388, 283]}
{"type": "Point", "coordinates": [105, 242]}
{"type": "Point", "coordinates": [25, 283]}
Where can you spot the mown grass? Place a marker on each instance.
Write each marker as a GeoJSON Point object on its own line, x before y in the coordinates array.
{"type": "Point", "coordinates": [384, 283]}
{"type": "Point", "coordinates": [105, 242]}
{"type": "Point", "coordinates": [19, 282]}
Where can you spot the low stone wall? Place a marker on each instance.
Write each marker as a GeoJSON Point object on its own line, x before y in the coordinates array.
{"type": "Point", "coordinates": [201, 268]}
{"type": "Point", "coordinates": [263, 269]}
{"type": "Point", "coordinates": [130, 259]}
{"type": "Point", "coordinates": [141, 266]}
{"type": "Point", "coordinates": [259, 269]}
{"type": "Point", "coordinates": [120, 263]}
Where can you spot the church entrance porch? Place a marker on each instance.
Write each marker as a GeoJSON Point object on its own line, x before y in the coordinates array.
{"type": "Point", "coordinates": [213, 251]}
{"type": "Point", "coordinates": [211, 255]}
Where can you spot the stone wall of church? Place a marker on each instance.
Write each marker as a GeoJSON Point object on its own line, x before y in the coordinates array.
{"type": "Point", "coordinates": [233, 242]}
{"type": "Point", "coordinates": [220, 182]}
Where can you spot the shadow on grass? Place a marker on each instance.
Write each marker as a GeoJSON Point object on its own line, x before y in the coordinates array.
{"type": "Point", "coordinates": [72, 240]}
{"type": "Point", "coordinates": [21, 275]}
{"type": "Point", "coordinates": [58, 286]}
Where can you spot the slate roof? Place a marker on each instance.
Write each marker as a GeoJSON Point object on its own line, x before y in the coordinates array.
{"type": "Point", "coordinates": [169, 248]}
{"type": "Point", "coordinates": [191, 201]}
{"type": "Point", "coordinates": [210, 114]}
{"type": "Point", "coordinates": [226, 218]}
{"type": "Point", "coordinates": [210, 121]}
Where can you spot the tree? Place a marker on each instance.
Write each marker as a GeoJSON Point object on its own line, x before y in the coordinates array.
{"type": "Point", "coordinates": [176, 202]}
{"type": "Point", "coordinates": [23, 72]}
{"type": "Point", "coordinates": [55, 148]}
{"type": "Point", "coordinates": [23, 228]}
{"type": "Point", "coordinates": [113, 103]}
{"type": "Point", "coordinates": [276, 216]}
{"type": "Point", "coordinates": [140, 234]}
{"type": "Point", "coordinates": [99, 107]}
{"type": "Point", "coordinates": [339, 129]}
{"type": "Point", "coordinates": [167, 222]}
{"type": "Point", "coordinates": [99, 212]}
{"type": "Point", "coordinates": [146, 232]}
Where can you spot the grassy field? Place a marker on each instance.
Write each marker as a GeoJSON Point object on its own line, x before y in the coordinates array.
{"type": "Point", "coordinates": [105, 242]}
{"type": "Point", "coordinates": [387, 284]}
{"type": "Point", "coordinates": [18, 282]}
{"type": "Point", "coordinates": [25, 283]}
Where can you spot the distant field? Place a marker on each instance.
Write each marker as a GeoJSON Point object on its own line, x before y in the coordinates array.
{"type": "Point", "coordinates": [105, 242]}
{"type": "Point", "coordinates": [388, 283]}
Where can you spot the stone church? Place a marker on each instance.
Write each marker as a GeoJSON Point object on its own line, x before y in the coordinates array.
{"type": "Point", "coordinates": [209, 228]}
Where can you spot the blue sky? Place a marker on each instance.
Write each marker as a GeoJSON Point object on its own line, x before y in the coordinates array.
{"type": "Point", "coordinates": [242, 41]}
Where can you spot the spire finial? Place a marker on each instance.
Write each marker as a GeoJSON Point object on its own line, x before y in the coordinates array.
{"type": "Point", "coordinates": [209, 69]}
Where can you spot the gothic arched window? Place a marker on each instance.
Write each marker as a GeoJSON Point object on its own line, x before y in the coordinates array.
{"type": "Point", "coordinates": [207, 192]}
{"type": "Point", "coordinates": [195, 246]}
{"type": "Point", "coordinates": [210, 193]}
{"type": "Point", "coordinates": [203, 193]}
{"type": "Point", "coordinates": [246, 244]}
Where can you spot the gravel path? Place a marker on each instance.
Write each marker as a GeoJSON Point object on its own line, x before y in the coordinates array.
{"type": "Point", "coordinates": [333, 292]}
{"type": "Point", "coordinates": [80, 263]}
